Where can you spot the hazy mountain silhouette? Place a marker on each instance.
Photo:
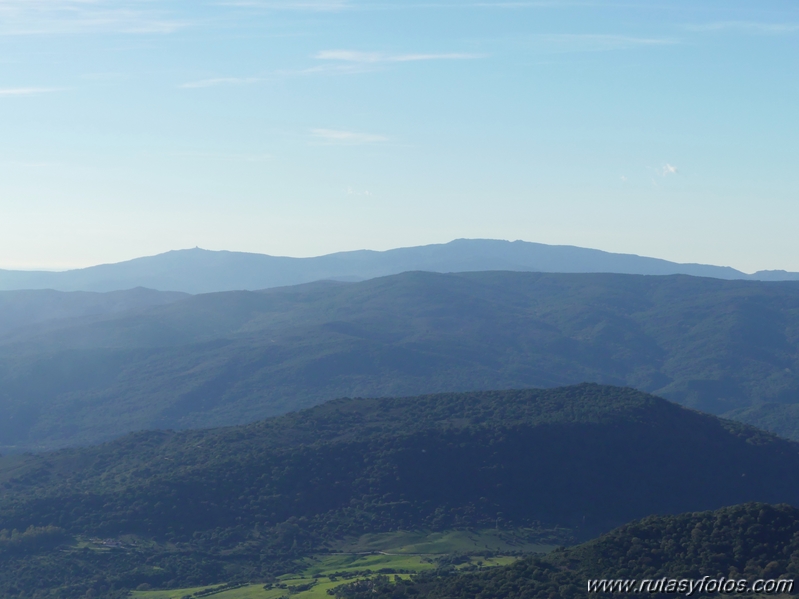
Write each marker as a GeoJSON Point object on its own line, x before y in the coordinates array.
{"type": "Point", "coordinates": [203, 271]}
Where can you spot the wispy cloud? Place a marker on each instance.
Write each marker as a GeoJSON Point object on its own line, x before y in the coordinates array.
{"type": "Point", "coordinates": [753, 27]}
{"type": "Point", "coordinates": [378, 57]}
{"type": "Point", "coordinates": [310, 5]}
{"type": "Point", "coordinates": [40, 17]}
{"type": "Point", "coordinates": [590, 42]}
{"type": "Point", "coordinates": [339, 5]}
{"type": "Point", "coordinates": [338, 62]}
{"type": "Point", "coordinates": [354, 192]}
{"type": "Point", "coordinates": [668, 169]}
{"type": "Point", "coordinates": [219, 81]}
{"type": "Point", "coordinates": [102, 76]}
{"type": "Point", "coordinates": [337, 136]}
{"type": "Point", "coordinates": [27, 91]}
{"type": "Point", "coordinates": [224, 157]}
{"type": "Point", "coordinates": [28, 164]}
{"type": "Point", "coordinates": [550, 4]}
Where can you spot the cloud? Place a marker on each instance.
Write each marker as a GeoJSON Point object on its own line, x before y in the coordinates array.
{"type": "Point", "coordinates": [336, 62]}
{"type": "Point", "coordinates": [312, 6]}
{"type": "Point", "coordinates": [747, 27]}
{"type": "Point", "coordinates": [42, 17]}
{"type": "Point", "coordinates": [339, 5]}
{"type": "Point", "coordinates": [668, 169]}
{"type": "Point", "coordinates": [550, 4]}
{"type": "Point", "coordinates": [24, 164]}
{"type": "Point", "coordinates": [352, 192]}
{"type": "Point", "coordinates": [219, 81]}
{"type": "Point", "coordinates": [102, 76]}
{"type": "Point", "coordinates": [377, 57]}
{"type": "Point", "coordinates": [593, 42]}
{"type": "Point", "coordinates": [26, 91]}
{"type": "Point", "coordinates": [337, 136]}
{"type": "Point", "coordinates": [224, 157]}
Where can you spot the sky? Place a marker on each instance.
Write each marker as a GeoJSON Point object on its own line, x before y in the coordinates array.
{"type": "Point", "coordinates": [304, 127]}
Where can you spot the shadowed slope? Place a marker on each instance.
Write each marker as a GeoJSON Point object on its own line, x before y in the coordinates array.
{"type": "Point", "coordinates": [228, 503]}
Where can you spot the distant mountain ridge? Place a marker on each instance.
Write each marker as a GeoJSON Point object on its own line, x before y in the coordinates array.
{"type": "Point", "coordinates": [726, 347]}
{"type": "Point", "coordinates": [203, 271]}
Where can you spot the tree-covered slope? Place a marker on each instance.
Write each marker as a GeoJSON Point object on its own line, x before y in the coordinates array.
{"type": "Point", "coordinates": [45, 308]}
{"type": "Point", "coordinates": [230, 503]}
{"type": "Point", "coordinates": [235, 357]}
{"type": "Point", "coordinates": [744, 542]}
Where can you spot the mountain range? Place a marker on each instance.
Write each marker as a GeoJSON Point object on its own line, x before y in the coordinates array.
{"type": "Point", "coordinates": [203, 271]}
{"type": "Point", "coordinates": [384, 427]}
{"type": "Point", "coordinates": [725, 347]}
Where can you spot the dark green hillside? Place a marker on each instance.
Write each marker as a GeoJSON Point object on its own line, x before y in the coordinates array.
{"type": "Point", "coordinates": [780, 418]}
{"type": "Point", "coordinates": [236, 503]}
{"type": "Point", "coordinates": [230, 358]}
{"type": "Point", "coordinates": [751, 541]}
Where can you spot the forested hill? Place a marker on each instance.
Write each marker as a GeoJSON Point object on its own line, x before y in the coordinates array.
{"type": "Point", "coordinates": [236, 500]}
{"type": "Point", "coordinates": [232, 358]}
{"type": "Point", "coordinates": [751, 541]}
{"type": "Point", "coordinates": [44, 308]}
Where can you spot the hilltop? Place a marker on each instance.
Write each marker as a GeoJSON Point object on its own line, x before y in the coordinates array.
{"type": "Point", "coordinates": [200, 507]}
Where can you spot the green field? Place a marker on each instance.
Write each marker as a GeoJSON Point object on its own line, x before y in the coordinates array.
{"type": "Point", "coordinates": [406, 553]}
{"type": "Point", "coordinates": [318, 577]}
{"type": "Point", "coordinates": [457, 541]}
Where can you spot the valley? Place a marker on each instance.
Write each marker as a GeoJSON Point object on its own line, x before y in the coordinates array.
{"type": "Point", "coordinates": [327, 573]}
{"type": "Point", "coordinates": [372, 299]}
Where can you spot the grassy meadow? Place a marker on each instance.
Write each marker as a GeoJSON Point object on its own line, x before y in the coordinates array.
{"type": "Point", "coordinates": [325, 572]}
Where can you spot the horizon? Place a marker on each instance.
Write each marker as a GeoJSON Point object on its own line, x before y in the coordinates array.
{"type": "Point", "coordinates": [55, 270]}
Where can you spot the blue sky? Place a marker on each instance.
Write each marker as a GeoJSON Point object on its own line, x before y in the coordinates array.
{"type": "Point", "coordinates": [132, 127]}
